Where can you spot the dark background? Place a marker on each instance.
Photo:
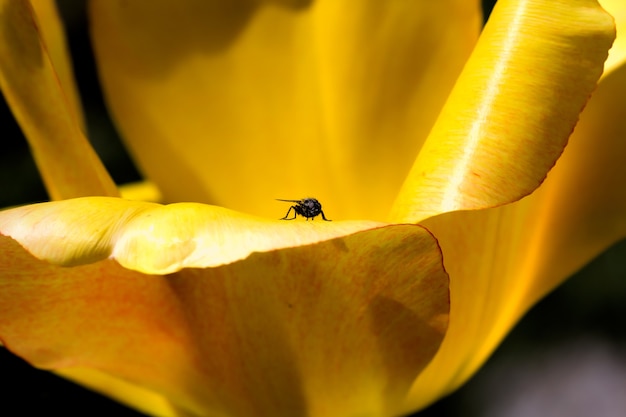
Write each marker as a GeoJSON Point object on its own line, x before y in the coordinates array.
{"type": "Point", "coordinates": [567, 357]}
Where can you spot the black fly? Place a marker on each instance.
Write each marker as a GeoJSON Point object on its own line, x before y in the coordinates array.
{"type": "Point", "coordinates": [307, 207]}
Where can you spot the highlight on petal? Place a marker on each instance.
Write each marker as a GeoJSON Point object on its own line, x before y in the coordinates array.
{"type": "Point", "coordinates": [513, 107]}
{"type": "Point", "coordinates": [227, 102]}
{"type": "Point", "coordinates": [141, 191]}
{"type": "Point", "coordinates": [66, 161]}
{"type": "Point", "coordinates": [135, 396]}
{"type": "Point", "coordinates": [339, 327]}
{"type": "Point", "coordinates": [153, 238]}
{"type": "Point", "coordinates": [617, 54]}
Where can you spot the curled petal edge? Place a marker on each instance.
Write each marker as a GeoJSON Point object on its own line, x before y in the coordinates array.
{"type": "Point", "coordinates": [154, 238]}
{"type": "Point", "coordinates": [512, 110]}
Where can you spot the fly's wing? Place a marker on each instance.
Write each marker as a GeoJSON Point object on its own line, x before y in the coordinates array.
{"type": "Point", "coordinates": [290, 201]}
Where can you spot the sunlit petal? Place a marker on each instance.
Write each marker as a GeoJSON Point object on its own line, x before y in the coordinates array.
{"type": "Point", "coordinates": [153, 238]}
{"type": "Point", "coordinates": [617, 54]}
{"type": "Point", "coordinates": [233, 102]}
{"type": "Point", "coordinates": [512, 109]}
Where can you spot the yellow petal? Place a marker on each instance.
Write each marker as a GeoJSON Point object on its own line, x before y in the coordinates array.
{"type": "Point", "coordinates": [584, 200]}
{"type": "Point", "coordinates": [490, 259]}
{"type": "Point", "coordinates": [617, 54]}
{"type": "Point", "coordinates": [340, 327]}
{"type": "Point", "coordinates": [141, 191]}
{"type": "Point", "coordinates": [231, 102]}
{"type": "Point", "coordinates": [67, 163]}
{"type": "Point", "coordinates": [512, 109]}
{"type": "Point", "coordinates": [135, 396]}
{"type": "Point", "coordinates": [533, 244]}
{"type": "Point", "coordinates": [51, 31]}
{"type": "Point", "coordinates": [153, 238]}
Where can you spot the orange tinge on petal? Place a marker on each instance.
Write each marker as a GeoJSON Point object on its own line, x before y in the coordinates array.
{"type": "Point", "coordinates": [340, 327]}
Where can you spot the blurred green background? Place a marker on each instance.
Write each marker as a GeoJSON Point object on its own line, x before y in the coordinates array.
{"type": "Point", "coordinates": [567, 357]}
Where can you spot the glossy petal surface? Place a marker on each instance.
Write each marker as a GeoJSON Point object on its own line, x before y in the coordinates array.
{"type": "Point", "coordinates": [510, 114]}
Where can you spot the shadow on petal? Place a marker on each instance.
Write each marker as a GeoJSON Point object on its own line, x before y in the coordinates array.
{"type": "Point", "coordinates": [340, 327]}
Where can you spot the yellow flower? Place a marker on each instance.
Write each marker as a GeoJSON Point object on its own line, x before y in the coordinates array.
{"type": "Point", "coordinates": [194, 309]}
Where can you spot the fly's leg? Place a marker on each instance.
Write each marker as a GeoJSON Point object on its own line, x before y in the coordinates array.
{"type": "Point", "coordinates": [289, 211]}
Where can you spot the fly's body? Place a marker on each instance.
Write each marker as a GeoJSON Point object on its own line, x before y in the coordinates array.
{"type": "Point", "coordinates": [307, 207]}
